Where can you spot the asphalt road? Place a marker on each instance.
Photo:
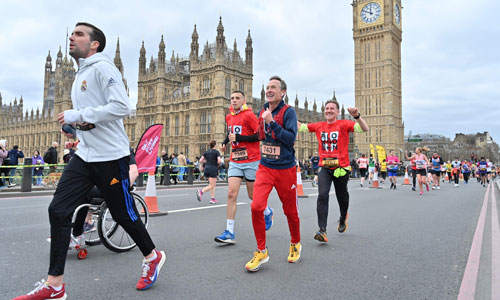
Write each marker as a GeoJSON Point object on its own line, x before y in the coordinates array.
{"type": "Point", "coordinates": [399, 245]}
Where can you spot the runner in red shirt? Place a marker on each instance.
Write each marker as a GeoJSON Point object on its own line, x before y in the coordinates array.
{"type": "Point", "coordinates": [333, 138]}
{"type": "Point", "coordinates": [242, 127]}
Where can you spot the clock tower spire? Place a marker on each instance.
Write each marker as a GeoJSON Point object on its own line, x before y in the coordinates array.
{"type": "Point", "coordinates": [377, 60]}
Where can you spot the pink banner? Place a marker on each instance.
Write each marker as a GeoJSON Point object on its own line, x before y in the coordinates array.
{"type": "Point", "coordinates": [147, 149]}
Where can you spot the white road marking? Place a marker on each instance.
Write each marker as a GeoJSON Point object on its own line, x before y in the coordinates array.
{"type": "Point", "coordinates": [163, 196]}
{"type": "Point", "coordinates": [201, 208]}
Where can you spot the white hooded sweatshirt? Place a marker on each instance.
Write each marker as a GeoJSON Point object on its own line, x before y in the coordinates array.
{"type": "Point", "coordinates": [99, 97]}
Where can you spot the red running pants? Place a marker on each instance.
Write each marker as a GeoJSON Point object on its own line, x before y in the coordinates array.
{"type": "Point", "coordinates": [285, 183]}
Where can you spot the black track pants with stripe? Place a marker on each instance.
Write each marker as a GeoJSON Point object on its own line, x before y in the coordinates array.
{"type": "Point", "coordinates": [78, 178]}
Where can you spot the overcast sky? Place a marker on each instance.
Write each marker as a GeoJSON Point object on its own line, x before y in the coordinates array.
{"type": "Point", "coordinates": [450, 62]}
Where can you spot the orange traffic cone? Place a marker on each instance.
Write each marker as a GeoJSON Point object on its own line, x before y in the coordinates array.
{"type": "Point", "coordinates": [300, 190]}
{"type": "Point", "coordinates": [447, 178]}
{"type": "Point", "coordinates": [407, 180]}
{"type": "Point", "coordinates": [375, 183]}
{"type": "Point", "coordinates": [151, 198]}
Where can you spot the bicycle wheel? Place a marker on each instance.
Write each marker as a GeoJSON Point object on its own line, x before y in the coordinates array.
{"type": "Point", "coordinates": [112, 235]}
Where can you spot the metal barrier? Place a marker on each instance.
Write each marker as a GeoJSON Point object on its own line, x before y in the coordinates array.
{"type": "Point", "coordinates": [24, 172]}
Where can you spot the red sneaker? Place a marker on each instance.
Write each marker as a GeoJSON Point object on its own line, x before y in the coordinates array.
{"type": "Point", "coordinates": [44, 291]}
{"type": "Point", "coordinates": [151, 270]}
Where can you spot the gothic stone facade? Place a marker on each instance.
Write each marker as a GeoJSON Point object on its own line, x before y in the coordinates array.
{"type": "Point", "coordinates": [189, 96]}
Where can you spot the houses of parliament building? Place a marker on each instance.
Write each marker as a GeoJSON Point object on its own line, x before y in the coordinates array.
{"type": "Point", "coordinates": [190, 95]}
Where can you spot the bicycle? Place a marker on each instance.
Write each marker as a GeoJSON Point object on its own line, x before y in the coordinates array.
{"type": "Point", "coordinates": [109, 232]}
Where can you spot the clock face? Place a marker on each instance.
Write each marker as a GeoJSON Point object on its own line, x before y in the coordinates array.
{"type": "Point", "coordinates": [371, 12]}
{"type": "Point", "coordinates": [397, 14]}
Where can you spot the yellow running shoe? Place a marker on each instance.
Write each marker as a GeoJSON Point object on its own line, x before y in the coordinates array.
{"type": "Point", "coordinates": [295, 250]}
{"type": "Point", "coordinates": [259, 258]}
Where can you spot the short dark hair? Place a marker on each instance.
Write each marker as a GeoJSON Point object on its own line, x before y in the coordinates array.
{"type": "Point", "coordinates": [282, 82]}
{"type": "Point", "coordinates": [96, 34]}
{"type": "Point", "coordinates": [332, 101]}
{"type": "Point", "coordinates": [15, 147]}
{"type": "Point", "coordinates": [238, 91]}
{"type": "Point", "coordinates": [212, 144]}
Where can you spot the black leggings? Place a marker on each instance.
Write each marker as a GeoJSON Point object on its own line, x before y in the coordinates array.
{"type": "Point", "coordinates": [325, 178]}
{"type": "Point", "coordinates": [414, 175]}
{"type": "Point", "coordinates": [466, 177]}
{"type": "Point", "coordinates": [77, 180]}
{"type": "Point", "coordinates": [456, 177]}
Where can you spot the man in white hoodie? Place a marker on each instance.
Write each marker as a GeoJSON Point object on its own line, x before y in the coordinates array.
{"type": "Point", "coordinates": [100, 103]}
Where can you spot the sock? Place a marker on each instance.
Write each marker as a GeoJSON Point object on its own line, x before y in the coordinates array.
{"type": "Point", "coordinates": [267, 211]}
{"type": "Point", "coordinates": [57, 288]}
{"type": "Point", "coordinates": [230, 226]}
{"type": "Point", "coordinates": [152, 258]}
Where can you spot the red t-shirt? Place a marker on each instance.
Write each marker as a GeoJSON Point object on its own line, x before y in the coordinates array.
{"type": "Point", "coordinates": [333, 140]}
{"type": "Point", "coordinates": [244, 123]}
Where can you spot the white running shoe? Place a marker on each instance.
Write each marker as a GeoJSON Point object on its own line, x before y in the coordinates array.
{"type": "Point", "coordinates": [438, 187]}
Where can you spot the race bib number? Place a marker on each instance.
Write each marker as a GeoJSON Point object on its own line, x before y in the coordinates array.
{"type": "Point", "coordinates": [420, 164]}
{"type": "Point", "coordinates": [331, 162]}
{"type": "Point", "coordinates": [270, 150]}
{"type": "Point", "coordinates": [240, 154]}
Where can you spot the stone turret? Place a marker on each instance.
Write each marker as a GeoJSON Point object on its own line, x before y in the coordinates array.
{"type": "Point", "coordinates": [193, 56]}
{"type": "Point", "coordinates": [142, 60]}
{"type": "Point", "coordinates": [249, 50]}
{"type": "Point", "coordinates": [118, 60]}
{"type": "Point", "coordinates": [220, 41]}
{"type": "Point", "coordinates": [161, 56]}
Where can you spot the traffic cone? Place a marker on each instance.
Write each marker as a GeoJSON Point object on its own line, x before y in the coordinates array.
{"type": "Point", "coordinates": [407, 180]}
{"type": "Point", "coordinates": [447, 178]}
{"type": "Point", "coordinates": [461, 176]}
{"type": "Point", "coordinates": [300, 190]}
{"type": "Point", "coordinates": [151, 198]}
{"type": "Point", "coordinates": [375, 184]}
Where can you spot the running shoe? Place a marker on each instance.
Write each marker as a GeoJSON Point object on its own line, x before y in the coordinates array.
{"type": "Point", "coordinates": [433, 187]}
{"type": "Point", "coordinates": [87, 227]}
{"type": "Point", "coordinates": [151, 270]}
{"type": "Point", "coordinates": [361, 184]}
{"type": "Point", "coordinates": [199, 193]}
{"type": "Point", "coordinates": [269, 219]}
{"type": "Point", "coordinates": [44, 291]}
{"type": "Point", "coordinates": [295, 250]}
{"type": "Point", "coordinates": [321, 236]}
{"type": "Point", "coordinates": [342, 227]}
{"type": "Point", "coordinates": [313, 183]}
{"type": "Point", "coordinates": [413, 189]}
{"type": "Point", "coordinates": [213, 201]}
{"type": "Point", "coordinates": [421, 193]}
{"type": "Point", "coordinates": [75, 241]}
{"type": "Point", "coordinates": [438, 187]}
{"type": "Point", "coordinates": [427, 187]}
{"type": "Point", "coordinates": [259, 258]}
{"type": "Point", "coordinates": [226, 237]}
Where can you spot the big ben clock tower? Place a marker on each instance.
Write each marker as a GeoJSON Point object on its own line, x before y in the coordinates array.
{"type": "Point", "coordinates": [377, 61]}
